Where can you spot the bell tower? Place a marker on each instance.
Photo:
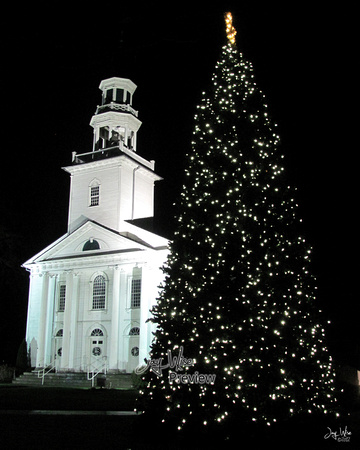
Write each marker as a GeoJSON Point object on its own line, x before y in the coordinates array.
{"type": "Point", "coordinates": [115, 121]}
{"type": "Point", "coordinates": [112, 183]}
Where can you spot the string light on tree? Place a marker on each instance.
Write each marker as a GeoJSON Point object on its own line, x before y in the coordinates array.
{"type": "Point", "coordinates": [238, 292]}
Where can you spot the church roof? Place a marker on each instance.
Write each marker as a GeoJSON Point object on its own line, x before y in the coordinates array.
{"type": "Point", "coordinates": [94, 239]}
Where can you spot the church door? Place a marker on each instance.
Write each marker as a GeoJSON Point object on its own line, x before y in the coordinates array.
{"type": "Point", "coordinates": [134, 341]}
{"type": "Point", "coordinates": [97, 349]}
{"type": "Point", "coordinates": [58, 349]}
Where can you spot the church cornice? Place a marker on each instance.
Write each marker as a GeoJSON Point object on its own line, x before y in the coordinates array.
{"type": "Point", "coordinates": [123, 114]}
{"type": "Point", "coordinates": [109, 259]}
{"type": "Point", "coordinates": [114, 82]}
{"type": "Point", "coordinates": [132, 244]}
{"type": "Point", "coordinates": [133, 160]}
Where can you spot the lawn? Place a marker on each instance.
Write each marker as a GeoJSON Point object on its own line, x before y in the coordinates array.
{"type": "Point", "coordinates": [21, 426]}
{"type": "Point", "coordinates": [45, 398]}
{"type": "Point", "coordinates": [22, 429]}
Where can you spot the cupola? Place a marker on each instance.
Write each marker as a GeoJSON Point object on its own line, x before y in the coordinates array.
{"type": "Point", "coordinates": [115, 121]}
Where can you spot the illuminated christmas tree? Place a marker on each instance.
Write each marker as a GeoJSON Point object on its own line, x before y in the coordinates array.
{"type": "Point", "coordinates": [238, 295]}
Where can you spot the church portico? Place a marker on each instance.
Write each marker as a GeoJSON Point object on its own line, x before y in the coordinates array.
{"type": "Point", "coordinates": [91, 290]}
{"type": "Point", "coordinates": [75, 302]}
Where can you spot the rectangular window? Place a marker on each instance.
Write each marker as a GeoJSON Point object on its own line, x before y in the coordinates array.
{"type": "Point", "coordinates": [135, 293]}
{"type": "Point", "coordinates": [62, 296]}
{"type": "Point", "coordinates": [94, 195]}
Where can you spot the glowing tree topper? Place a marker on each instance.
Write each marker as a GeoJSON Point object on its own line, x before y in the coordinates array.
{"type": "Point", "coordinates": [230, 30]}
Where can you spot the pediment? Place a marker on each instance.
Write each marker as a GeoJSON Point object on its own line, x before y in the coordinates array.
{"type": "Point", "coordinates": [87, 240]}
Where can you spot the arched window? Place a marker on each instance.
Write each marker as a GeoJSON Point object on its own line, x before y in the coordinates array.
{"type": "Point", "coordinates": [135, 331]}
{"type": "Point", "coordinates": [94, 193]}
{"type": "Point", "coordinates": [97, 332]}
{"type": "Point", "coordinates": [99, 293]}
{"type": "Point", "coordinates": [60, 333]}
{"type": "Point", "coordinates": [91, 244]}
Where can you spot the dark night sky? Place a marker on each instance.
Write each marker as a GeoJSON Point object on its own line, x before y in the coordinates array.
{"type": "Point", "coordinates": [53, 62]}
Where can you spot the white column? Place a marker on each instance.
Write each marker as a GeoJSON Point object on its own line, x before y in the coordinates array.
{"type": "Point", "coordinates": [67, 321]}
{"type": "Point", "coordinates": [147, 281]}
{"type": "Point", "coordinates": [42, 320]}
{"type": "Point", "coordinates": [113, 345]}
{"type": "Point", "coordinates": [124, 315]}
{"type": "Point", "coordinates": [48, 358]}
{"type": "Point", "coordinates": [73, 363]}
{"type": "Point", "coordinates": [31, 325]}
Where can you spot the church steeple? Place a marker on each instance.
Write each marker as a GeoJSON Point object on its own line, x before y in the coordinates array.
{"type": "Point", "coordinates": [112, 183]}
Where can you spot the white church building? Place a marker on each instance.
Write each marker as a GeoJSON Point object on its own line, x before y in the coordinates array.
{"type": "Point", "coordinates": [91, 290]}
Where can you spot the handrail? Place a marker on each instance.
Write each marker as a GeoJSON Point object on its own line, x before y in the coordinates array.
{"type": "Point", "coordinates": [45, 371]}
{"type": "Point", "coordinates": [131, 152]}
{"type": "Point", "coordinates": [94, 152]}
{"type": "Point", "coordinates": [95, 369]}
{"type": "Point", "coordinates": [118, 107]}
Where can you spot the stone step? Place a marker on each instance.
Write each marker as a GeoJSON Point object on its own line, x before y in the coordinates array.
{"type": "Point", "coordinates": [76, 380]}
{"type": "Point", "coordinates": [56, 380]}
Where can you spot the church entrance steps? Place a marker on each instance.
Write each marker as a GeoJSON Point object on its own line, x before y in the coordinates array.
{"type": "Point", "coordinates": [75, 380]}
{"type": "Point", "coordinates": [64, 379]}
